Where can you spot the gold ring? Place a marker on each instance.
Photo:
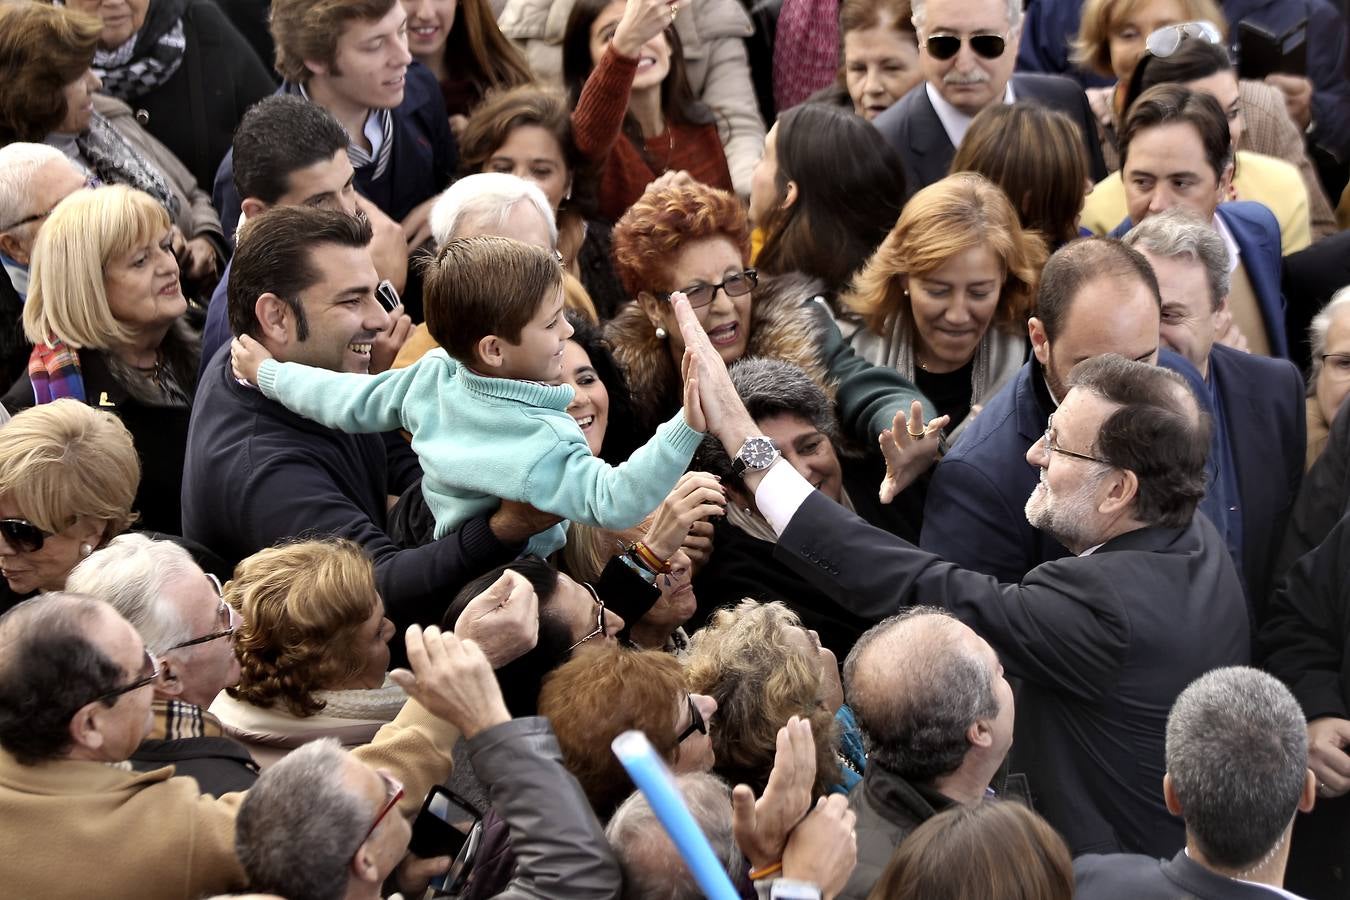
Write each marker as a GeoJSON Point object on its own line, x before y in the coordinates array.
{"type": "Point", "coordinates": [919, 436]}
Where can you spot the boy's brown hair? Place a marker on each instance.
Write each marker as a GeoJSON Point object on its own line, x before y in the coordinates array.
{"type": "Point", "coordinates": [310, 29]}
{"type": "Point", "coordinates": [479, 286]}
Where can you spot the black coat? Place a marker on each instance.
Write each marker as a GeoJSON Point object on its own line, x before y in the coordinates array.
{"type": "Point", "coordinates": [1126, 876]}
{"type": "Point", "coordinates": [219, 765]}
{"type": "Point", "coordinates": [888, 808]}
{"type": "Point", "coordinates": [14, 346]}
{"type": "Point", "coordinates": [1323, 500]}
{"type": "Point", "coordinates": [195, 112]}
{"type": "Point", "coordinates": [913, 128]}
{"type": "Point", "coordinates": [1103, 644]}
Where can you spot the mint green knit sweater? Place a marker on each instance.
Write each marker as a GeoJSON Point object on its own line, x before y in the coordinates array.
{"type": "Point", "coordinates": [480, 439]}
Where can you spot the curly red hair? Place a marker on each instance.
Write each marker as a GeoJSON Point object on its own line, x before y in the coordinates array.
{"type": "Point", "coordinates": [661, 222]}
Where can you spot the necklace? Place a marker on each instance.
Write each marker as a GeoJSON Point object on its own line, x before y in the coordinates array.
{"type": "Point", "coordinates": [153, 372]}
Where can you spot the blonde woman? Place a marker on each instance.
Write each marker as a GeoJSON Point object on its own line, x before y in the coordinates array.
{"type": "Point", "coordinates": [68, 477]}
{"type": "Point", "coordinates": [104, 316]}
{"type": "Point", "coordinates": [945, 298]}
{"type": "Point", "coordinates": [313, 650]}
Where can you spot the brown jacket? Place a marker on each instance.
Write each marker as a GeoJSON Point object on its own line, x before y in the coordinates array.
{"type": "Point", "coordinates": [80, 829]}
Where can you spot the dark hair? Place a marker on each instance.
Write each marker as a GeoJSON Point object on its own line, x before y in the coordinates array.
{"type": "Point", "coordinates": [768, 388]}
{"type": "Point", "coordinates": [1036, 155]}
{"type": "Point", "coordinates": [850, 189]}
{"type": "Point", "coordinates": [279, 135]}
{"type": "Point", "coordinates": [1079, 263]}
{"type": "Point", "coordinates": [1168, 104]}
{"type": "Point", "coordinates": [275, 254]}
{"type": "Point", "coordinates": [1193, 59]}
{"type": "Point", "coordinates": [678, 102]}
{"type": "Point", "coordinates": [49, 670]}
{"type": "Point", "coordinates": [621, 435]}
{"type": "Point", "coordinates": [522, 677]}
{"type": "Point", "coordinates": [43, 48]}
{"type": "Point", "coordinates": [476, 48]}
{"type": "Point", "coordinates": [1159, 432]}
{"type": "Point", "coordinates": [479, 286]}
{"type": "Point", "coordinates": [998, 850]}
{"type": "Point", "coordinates": [916, 719]}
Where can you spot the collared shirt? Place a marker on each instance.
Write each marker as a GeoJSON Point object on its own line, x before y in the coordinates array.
{"type": "Point", "coordinates": [1270, 887]}
{"type": "Point", "coordinates": [18, 276]}
{"type": "Point", "coordinates": [377, 130]}
{"type": "Point", "coordinates": [1234, 251]}
{"type": "Point", "coordinates": [955, 122]}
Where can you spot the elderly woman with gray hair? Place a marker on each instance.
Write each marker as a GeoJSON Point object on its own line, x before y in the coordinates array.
{"type": "Point", "coordinates": [1329, 376]}
{"type": "Point", "coordinates": [789, 407]}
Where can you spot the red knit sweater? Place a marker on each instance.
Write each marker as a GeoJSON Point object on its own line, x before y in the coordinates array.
{"type": "Point", "coordinates": [597, 127]}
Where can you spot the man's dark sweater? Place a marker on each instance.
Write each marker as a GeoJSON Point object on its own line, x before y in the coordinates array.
{"type": "Point", "coordinates": [256, 474]}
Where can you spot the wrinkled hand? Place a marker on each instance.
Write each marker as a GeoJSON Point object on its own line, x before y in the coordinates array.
{"type": "Point", "coordinates": [910, 447]}
{"type": "Point", "coordinates": [503, 620]}
{"type": "Point", "coordinates": [246, 356]}
{"type": "Point", "coordinates": [670, 179]}
{"type": "Point", "coordinates": [417, 224]}
{"type": "Point", "coordinates": [452, 679]}
{"type": "Point", "coordinates": [642, 20]}
{"type": "Point", "coordinates": [696, 496]}
{"type": "Point", "coordinates": [1226, 331]}
{"type": "Point", "coordinates": [762, 826]}
{"type": "Point", "coordinates": [693, 406]}
{"type": "Point", "coordinates": [515, 522]}
{"type": "Point", "coordinates": [1327, 740]}
{"type": "Point", "coordinates": [384, 348]}
{"type": "Point", "coordinates": [722, 408]}
{"type": "Point", "coordinates": [698, 544]}
{"type": "Point", "coordinates": [1298, 93]}
{"type": "Point", "coordinates": [823, 849]}
{"type": "Point", "coordinates": [199, 260]}
{"type": "Point", "coordinates": [414, 874]}
{"type": "Point", "coordinates": [1101, 100]}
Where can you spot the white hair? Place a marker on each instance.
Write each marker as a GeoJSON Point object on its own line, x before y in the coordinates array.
{"type": "Point", "coordinates": [1317, 332]}
{"type": "Point", "coordinates": [19, 164]}
{"type": "Point", "coordinates": [133, 573]}
{"type": "Point", "coordinates": [918, 10]}
{"type": "Point", "coordinates": [485, 200]}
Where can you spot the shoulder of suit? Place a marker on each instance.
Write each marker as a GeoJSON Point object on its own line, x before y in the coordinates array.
{"type": "Point", "coordinates": [1247, 212]}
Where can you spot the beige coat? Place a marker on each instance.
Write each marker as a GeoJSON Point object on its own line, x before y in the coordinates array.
{"type": "Point", "coordinates": [713, 33]}
{"type": "Point", "coordinates": [81, 829]}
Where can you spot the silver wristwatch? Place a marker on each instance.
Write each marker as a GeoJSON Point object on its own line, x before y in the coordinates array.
{"type": "Point", "coordinates": [755, 455]}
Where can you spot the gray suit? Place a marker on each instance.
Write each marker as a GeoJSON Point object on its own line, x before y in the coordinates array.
{"type": "Point", "coordinates": [1125, 876]}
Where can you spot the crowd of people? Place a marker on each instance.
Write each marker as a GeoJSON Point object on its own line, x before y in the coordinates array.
{"type": "Point", "coordinates": [919, 419]}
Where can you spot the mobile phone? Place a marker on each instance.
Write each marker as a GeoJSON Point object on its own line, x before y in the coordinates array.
{"type": "Point", "coordinates": [387, 296]}
{"type": "Point", "coordinates": [447, 825]}
{"type": "Point", "coordinates": [1262, 52]}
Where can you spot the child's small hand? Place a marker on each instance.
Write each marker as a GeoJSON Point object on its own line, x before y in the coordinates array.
{"type": "Point", "coordinates": [246, 357]}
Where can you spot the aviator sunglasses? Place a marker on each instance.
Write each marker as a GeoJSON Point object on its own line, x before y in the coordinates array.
{"type": "Point", "coordinates": [945, 46]}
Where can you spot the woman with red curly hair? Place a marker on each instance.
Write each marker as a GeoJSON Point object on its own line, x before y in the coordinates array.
{"type": "Point", "coordinates": [695, 239]}
{"type": "Point", "coordinates": [313, 650]}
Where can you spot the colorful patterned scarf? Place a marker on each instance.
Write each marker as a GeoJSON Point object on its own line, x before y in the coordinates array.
{"type": "Point", "coordinates": [55, 372]}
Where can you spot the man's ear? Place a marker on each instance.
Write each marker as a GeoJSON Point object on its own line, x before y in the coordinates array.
{"type": "Point", "coordinates": [276, 319]}
{"type": "Point", "coordinates": [252, 206]}
{"type": "Point", "coordinates": [1170, 796]}
{"type": "Point", "coordinates": [1040, 343]}
{"type": "Point", "coordinates": [489, 349]}
{"type": "Point", "coordinates": [980, 734]}
{"type": "Point", "coordinates": [1123, 492]}
{"type": "Point", "coordinates": [10, 246]}
{"type": "Point", "coordinates": [363, 865]}
{"type": "Point", "coordinates": [169, 684]}
{"type": "Point", "coordinates": [84, 726]}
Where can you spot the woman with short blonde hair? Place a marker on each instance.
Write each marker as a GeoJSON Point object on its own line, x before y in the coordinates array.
{"type": "Point", "coordinates": [313, 649]}
{"type": "Point", "coordinates": [945, 298]}
{"type": "Point", "coordinates": [105, 317]}
{"type": "Point", "coordinates": [68, 477]}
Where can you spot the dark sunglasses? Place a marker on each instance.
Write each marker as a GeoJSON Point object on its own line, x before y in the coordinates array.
{"type": "Point", "coordinates": [738, 285]}
{"type": "Point", "coordinates": [23, 535]}
{"type": "Point", "coordinates": [945, 46]}
{"type": "Point", "coordinates": [696, 720]}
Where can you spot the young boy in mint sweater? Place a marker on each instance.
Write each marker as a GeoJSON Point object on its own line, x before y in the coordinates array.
{"type": "Point", "coordinates": [487, 419]}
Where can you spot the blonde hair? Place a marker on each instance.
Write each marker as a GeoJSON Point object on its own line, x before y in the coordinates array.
{"type": "Point", "coordinates": [87, 230]}
{"type": "Point", "coordinates": [946, 218]}
{"type": "Point", "coordinates": [64, 460]}
{"type": "Point", "coordinates": [303, 606]}
{"type": "Point", "coordinates": [1091, 49]}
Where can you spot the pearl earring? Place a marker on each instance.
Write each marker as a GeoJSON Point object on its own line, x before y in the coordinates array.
{"type": "Point", "coordinates": [660, 333]}
{"type": "Point", "coordinates": [85, 550]}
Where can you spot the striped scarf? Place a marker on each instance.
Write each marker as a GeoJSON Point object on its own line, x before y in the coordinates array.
{"type": "Point", "coordinates": [54, 370]}
{"type": "Point", "coordinates": [361, 158]}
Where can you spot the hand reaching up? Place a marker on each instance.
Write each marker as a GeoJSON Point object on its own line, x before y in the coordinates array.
{"type": "Point", "coordinates": [452, 679]}
{"type": "Point", "coordinates": [762, 826]}
{"type": "Point", "coordinates": [910, 447]}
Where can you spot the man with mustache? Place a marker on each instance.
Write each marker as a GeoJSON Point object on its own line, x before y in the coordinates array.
{"type": "Point", "coordinates": [967, 49]}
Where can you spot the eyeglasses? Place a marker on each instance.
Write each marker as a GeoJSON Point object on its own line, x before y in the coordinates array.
{"type": "Point", "coordinates": [23, 535]}
{"type": "Point", "coordinates": [945, 46]}
{"type": "Point", "coordinates": [225, 615]}
{"type": "Point", "coordinates": [89, 182]}
{"type": "Point", "coordinates": [738, 285]}
{"type": "Point", "coordinates": [1165, 41]}
{"type": "Point", "coordinates": [1337, 363]}
{"type": "Point", "coordinates": [599, 617]}
{"type": "Point", "coordinates": [1051, 447]}
{"type": "Point", "coordinates": [152, 664]}
{"type": "Point", "coordinates": [393, 793]}
{"type": "Point", "coordinates": [696, 720]}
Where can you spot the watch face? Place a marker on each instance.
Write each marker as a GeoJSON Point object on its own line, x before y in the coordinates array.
{"type": "Point", "coordinates": [758, 452]}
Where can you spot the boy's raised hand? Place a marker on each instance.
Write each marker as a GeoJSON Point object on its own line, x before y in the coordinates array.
{"type": "Point", "coordinates": [246, 357]}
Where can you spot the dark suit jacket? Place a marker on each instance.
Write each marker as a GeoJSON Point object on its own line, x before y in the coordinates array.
{"type": "Point", "coordinates": [1129, 877]}
{"type": "Point", "coordinates": [1103, 644]}
{"type": "Point", "coordinates": [913, 128]}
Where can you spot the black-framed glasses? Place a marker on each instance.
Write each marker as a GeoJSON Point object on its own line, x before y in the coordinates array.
{"type": "Point", "coordinates": [696, 720]}
{"type": "Point", "coordinates": [23, 535]}
{"type": "Point", "coordinates": [1164, 41]}
{"type": "Point", "coordinates": [225, 616]}
{"type": "Point", "coordinates": [1051, 447]}
{"type": "Point", "coordinates": [599, 617]}
{"type": "Point", "coordinates": [155, 669]}
{"type": "Point", "coordinates": [737, 285]}
{"type": "Point", "coordinates": [393, 793]}
{"type": "Point", "coordinates": [945, 46]}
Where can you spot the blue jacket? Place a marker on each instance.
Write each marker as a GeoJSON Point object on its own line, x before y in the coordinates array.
{"type": "Point", "coordinates": [1257, 233]}
{"type": "Point", "coordinates": [424, 160]}
{"type": "Point", "coordinates": [975, 513]}
{"type": "Point", "coordinates": [216, 332]}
